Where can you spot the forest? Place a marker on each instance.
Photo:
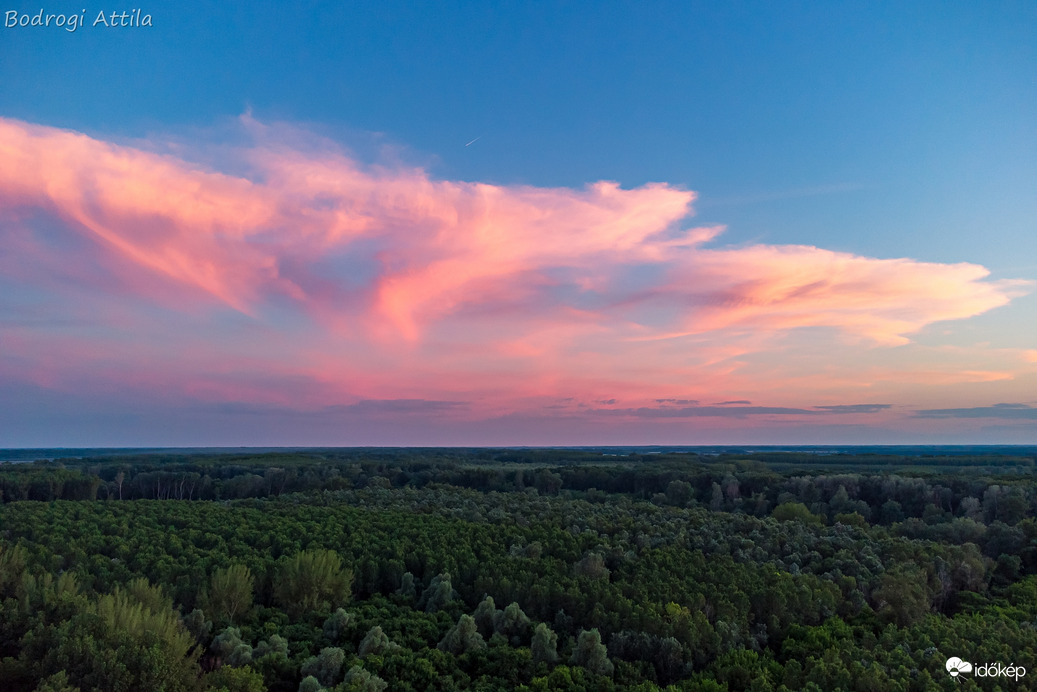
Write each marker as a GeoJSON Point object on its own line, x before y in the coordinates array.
{"type": "Point", "coordinates": [519, 569]}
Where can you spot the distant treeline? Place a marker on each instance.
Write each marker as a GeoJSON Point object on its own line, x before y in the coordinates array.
{"type": "Point", "coordinates": [1004, 493]}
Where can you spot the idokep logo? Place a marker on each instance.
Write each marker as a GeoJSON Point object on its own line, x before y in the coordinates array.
{"type": "Point", "coordinates": [955, 666]}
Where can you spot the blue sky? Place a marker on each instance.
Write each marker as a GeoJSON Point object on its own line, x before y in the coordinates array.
{"type": "Point", "coordinates": [883, 130]}
{"type": "Point", "coordinates": [893, 128]}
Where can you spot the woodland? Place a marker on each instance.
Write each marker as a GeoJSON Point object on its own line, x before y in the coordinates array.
{"type": "Point", "coordinates": [518, 569]}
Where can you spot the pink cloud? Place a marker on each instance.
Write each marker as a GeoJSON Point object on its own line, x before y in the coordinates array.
{"type": "Point", "coordinates": [363, 282]}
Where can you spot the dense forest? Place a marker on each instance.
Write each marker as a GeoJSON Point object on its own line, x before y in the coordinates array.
{"type": "Point", "coordinates": [439, 569]}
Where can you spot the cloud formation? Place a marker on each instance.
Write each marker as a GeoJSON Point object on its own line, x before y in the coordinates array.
{"type": "Point", "coordinates": [740, 409]}
{"type": "Point", "coordinates": [854, 408]}
{"type": "Point", "coordinates": [712, 411]}
{"type": "Point", "coordinates": [407, 251]}
{"type": "Point", "coordinates": [281, 270]}
{"type": "Point", "coordinates": [1002, 411]}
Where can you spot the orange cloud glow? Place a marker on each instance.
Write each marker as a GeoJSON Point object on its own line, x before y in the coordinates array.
{"type": "Point", "coordinates": [368, 282]}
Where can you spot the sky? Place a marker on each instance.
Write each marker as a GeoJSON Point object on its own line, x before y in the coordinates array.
{"type": "Point", "coordinates": [578, 223]}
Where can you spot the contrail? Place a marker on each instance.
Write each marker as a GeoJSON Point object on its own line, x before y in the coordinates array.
{"type": "Point", "coordinates": [474, 141]}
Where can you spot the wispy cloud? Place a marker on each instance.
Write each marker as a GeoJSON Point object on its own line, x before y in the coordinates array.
{"type": "Point", "coordinates": [396, 406]}
{"type": "Point", "coordinates": [300, 222]}
{"type": "Point", "coordinates": [1004, 411]}
{"type": "Point", "coordinates": [281, 270]}
{"type": "Point", "coordinates": [854, 408]}
{"type": "Point", "coordinates": [739, 409]}
{"type": "Point", "coordinates": [711, 411]}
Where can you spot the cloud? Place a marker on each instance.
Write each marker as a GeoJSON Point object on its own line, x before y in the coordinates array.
{"type": "Point", "coordinates": [394, 250]}
{"type": "Point", "coordinates": [785, 287]}
{"type": "Point", "coordinates": [396, 406]}
{"type": "Point", "coordinates": [739, 409]}
{"type": "Point", "coordinates": [1003, 411]}
{"type": "Point", "coordinates": [854, 408]}
{"type": "Point", "coordinates": [274, 268]}
{"type": "Point", "coordinates": [710, 411]}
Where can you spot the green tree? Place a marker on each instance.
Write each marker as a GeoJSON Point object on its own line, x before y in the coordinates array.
{"type": "Point", "coordinates": [12, 566]}
{"type": "Point", "coordinates": [311, 581]}
{"type": "Point", "coordinates": [795, 511]}
{"type": "Point", "coordinates": [462, 637]}
{"type": "Point", "coordinates": [485, 615]}
{"type": "Point", "coordinates": [360, 680]}
{"type": "Point", "coordinates": [116, 644]}
{"type": "Point", "coordinates": [407, 588]}
{"type": "Point", "coordinates": [325, 666]}
{"type": "Point", "coordinates": [544, 645]}
{"type": "Point", "coordinates": [56, 683]}
{"type": "Point", "coordinates": [276, 645]}
{"type": "Point", "coordinates": [197, 625]}
{"type": "Point", "coordinates": [438, 594]}
{"type": "Point", "coordinates": [375, 642]}
{"type": "Point", "coordinates": [229, 595]}
{"type": "Point", "coordinates": [513, 624]}
{"type": "Point", "coordinates": [902, 596]}
{"type": "Point", "coordinates": [336, 625]}
{"type": "Point", "coordinates": [591, 654]}
{"type": "Point", "coordinates": [228, 679]}
{"type": "Point", "coordinates": [229, 648]}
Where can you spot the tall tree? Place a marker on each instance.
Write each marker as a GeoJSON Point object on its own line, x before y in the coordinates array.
{"type": "Point", "coordinates": [229, 595]}
{"type": "Point", "coordinates": [590, 653]}
{"type": "Point", "coordinates": [312, 580]}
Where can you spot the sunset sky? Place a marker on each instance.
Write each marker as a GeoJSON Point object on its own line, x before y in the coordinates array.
{"type": "Point", "coordinates": [520, 224]}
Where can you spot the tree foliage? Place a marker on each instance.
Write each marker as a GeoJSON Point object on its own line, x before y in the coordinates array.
{"type": "Point", "coordinates": [748, 571]}
{"type": "Point", "coordinates": [229, 595]}
{"type": "Point", "coordinates": [312, 581]}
